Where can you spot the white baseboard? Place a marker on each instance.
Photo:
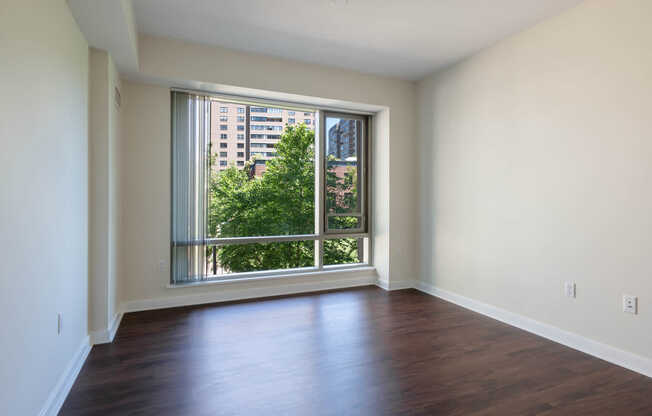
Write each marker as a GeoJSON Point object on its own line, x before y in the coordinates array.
{"type": "Point", "coordinates": [64, 384]}
{"type": "Point", "coordinates": [105, 336]}
{"type": "Point", "coordinates": [395, 284]}
{"type": "Point", "coordinates": [597, 349]}
{"type": "Point", "coordinates": [363, 278]}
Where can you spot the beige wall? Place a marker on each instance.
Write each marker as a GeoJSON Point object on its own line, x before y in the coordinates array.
{"type": "Point", "coordinates": [535, 170]}
{"type": "Point", "coordinates": [145, 181]}
{"type": "Point", "coordinates": [116, 213]}
{"type": "Point", "coordinates": [99, 198]}
{"type": "Point", "coordinates": [104, 202]}
{"type": "Point", "coordinates": [44, 208]}
{"type": "Point", "coordinates": [147, 134]}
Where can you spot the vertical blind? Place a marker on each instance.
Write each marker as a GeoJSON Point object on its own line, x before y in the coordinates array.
{"type": "Point", "coordinates": [190, 165]}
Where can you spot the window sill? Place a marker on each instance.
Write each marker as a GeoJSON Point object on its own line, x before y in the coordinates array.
{"type": "Point", "coordinates": [263, 276]}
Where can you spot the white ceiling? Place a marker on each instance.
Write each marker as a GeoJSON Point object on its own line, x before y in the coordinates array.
{"type": "Point", "coordinates": [401, 38]}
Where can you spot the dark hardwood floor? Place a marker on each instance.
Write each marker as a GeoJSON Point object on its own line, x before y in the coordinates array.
{"type": "Point", "coordinates": [353, 352]}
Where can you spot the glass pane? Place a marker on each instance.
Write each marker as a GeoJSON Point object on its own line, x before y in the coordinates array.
{"type": "Point", "coordinates": [343, 137]}
{"type": "Point", "coordinates": [240, 258]}
{"type": "Point", "coordinates": [262, 172]}
{"type": "Point", "coordinates": [343, 251]}
{"type": "Point", "coordinates": [344, 223]}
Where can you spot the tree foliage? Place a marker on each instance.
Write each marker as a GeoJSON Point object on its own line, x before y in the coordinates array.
{"type": "Point", "coordinates": [280, 202]}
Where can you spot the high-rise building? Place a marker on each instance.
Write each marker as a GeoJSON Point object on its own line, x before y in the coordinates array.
{"type": "Point", "coordinates": [241, 132]}
{"type": "Point", "coordinates": [342, 139]}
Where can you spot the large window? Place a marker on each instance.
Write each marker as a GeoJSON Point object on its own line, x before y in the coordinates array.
{"type": "Point", "coordinates": [301, 205]}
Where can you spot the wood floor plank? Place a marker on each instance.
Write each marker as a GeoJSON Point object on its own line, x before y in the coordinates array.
{"type": "Point", "coordinates": [352, 352]}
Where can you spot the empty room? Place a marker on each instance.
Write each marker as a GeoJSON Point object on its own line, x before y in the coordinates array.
{"type": "Point", "coordinates": [326, 207]}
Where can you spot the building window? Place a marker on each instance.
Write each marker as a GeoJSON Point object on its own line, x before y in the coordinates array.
{"type": "Point", "coordinates": [223, 127]}
{"type": "Point", "coordinates": [241, 119]}
{"type": "Point", "coordinates": [268, 119]}
{"type": "Point", "coordinates": [266, 127]}
{"type": "Point", "coordinates": [307, 121]}
{"type": "Point", "coordinates": [329, 226]}
{"type": "Point", "coordinates": [241, 110]}
{"type": "Point", "coordinates": [224, 136]}
{"type": "Point", "coordinates": [290, 113]}
{"type": "Point", "coordinates": [224, 109]}
{"type": "Point", "coordinates": [240, 127]}
{"type": "Point", "coordinates": [224, 119]}
{"type": "Point", "coordinates": [223, 154]}
{"type": "Point", "coordinates": [291, 121]}
{"type": "Point", "coordinates": [240, 136]}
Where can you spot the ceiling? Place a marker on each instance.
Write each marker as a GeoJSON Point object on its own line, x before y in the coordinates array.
{"type": "Point", "coordinates": [408, 39]}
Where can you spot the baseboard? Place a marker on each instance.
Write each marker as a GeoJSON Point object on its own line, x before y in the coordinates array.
{"type": "Point", "coordinates": [358, 279]}
{"type": "Point", "coordinates": [597, 349]}
{"type": "Point", "coordinates": [105, 336]}
{"type": "Point", "coordinates": [64, 384]}
{"type": "Point", "coordinates": [395, 284]}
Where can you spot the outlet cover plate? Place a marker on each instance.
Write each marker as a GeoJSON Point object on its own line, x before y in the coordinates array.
{"type": "Point", "coordinates": [630, 304]}
{"type": "Point", "coordinates": [569, 289]}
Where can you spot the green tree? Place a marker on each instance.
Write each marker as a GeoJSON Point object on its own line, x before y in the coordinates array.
{"type": "Point", "coordinates": [341, 197]}
{"type": "Point", "coordinates": [280, 202]}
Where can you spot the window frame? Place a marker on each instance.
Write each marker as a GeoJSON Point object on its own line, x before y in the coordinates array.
{"type": "Point", "coordinates": [364, 234]}
{"type": "Point", "coordinates": [362, 149]}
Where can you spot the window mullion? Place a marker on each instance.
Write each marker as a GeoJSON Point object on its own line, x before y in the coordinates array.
{"type": "Point", "coordinates": [320, 189]}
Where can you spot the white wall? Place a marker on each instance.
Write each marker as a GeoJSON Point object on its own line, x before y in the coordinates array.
{"type": "Point", "coordinates": [104, 203]}
{"type": "Point", "coordinates": [147, 135]}
{"type": "Point", "coordinates": [44, 199]}
{"type": "Point", "coordinates": [536, 169]}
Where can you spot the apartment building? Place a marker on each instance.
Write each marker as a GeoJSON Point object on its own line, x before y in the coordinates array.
{"type": "Point", "coordinates": [242, 132]}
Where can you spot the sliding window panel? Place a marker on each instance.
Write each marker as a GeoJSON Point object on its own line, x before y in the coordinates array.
{"type": "Point", "coordinates": [345, 174]}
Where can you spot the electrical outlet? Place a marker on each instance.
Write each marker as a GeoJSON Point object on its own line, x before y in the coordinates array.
{"type": "Point", "coordinates": [630, 304]}
{"type": "Point", "coordinates": [59, 324]}
{"type": "Point", "coordinates": [569, 289]}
